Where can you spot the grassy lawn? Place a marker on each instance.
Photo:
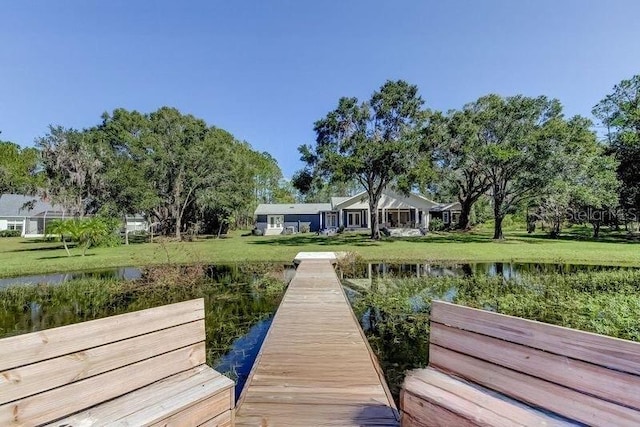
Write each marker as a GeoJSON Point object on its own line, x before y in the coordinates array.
{"type": "Point", "coordinates": [23, 257]}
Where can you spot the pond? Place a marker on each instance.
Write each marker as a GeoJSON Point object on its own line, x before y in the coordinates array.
{"type": "Point", "coordinates": [392, 302]}
{"type": "Point", "coordinates": [358, 271]}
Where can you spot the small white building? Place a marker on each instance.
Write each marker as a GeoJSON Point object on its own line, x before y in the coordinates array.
{"type": "Point", "coordinates": [30, 215]}
{"type": "Point", "coordinates": [135, 223]}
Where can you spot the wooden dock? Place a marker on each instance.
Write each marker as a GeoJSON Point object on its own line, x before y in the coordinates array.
{"type": "Point", "coordinates": [315, 366]}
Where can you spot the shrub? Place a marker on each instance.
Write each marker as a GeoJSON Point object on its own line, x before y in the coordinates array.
{"type": "Point", "coordinates": [436, 224]}
{"type": "Point", "coordinates": [350, 263]}
{"type": "Point", "coordinates": [10, 233]}
{"type": "Point", "coordinates": [507, 221]}
{"type": "Point", "coordinates": [305, 228]}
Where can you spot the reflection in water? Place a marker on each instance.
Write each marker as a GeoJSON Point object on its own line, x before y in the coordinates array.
{"type": "Point", "coordinates": [491, 269]}
{"type": "Point", "coordinates": [238, 361]}
{"type": "Point", "coordinates": [125, 273]}
{"type": "Point", "coordinates": [122, 273]}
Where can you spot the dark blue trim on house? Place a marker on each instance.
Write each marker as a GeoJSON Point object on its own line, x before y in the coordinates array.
{"type": "Point", "coordinates": [297, 221]}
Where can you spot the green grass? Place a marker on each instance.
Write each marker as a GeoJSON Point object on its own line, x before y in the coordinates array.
{"type": "Point", "coordinates": [23, 257]}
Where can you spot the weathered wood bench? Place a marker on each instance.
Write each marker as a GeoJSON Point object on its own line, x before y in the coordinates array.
{"type": "Point", "coordinates": [491, 369]}
{"type": "Point", "coordinates": [141, 368]}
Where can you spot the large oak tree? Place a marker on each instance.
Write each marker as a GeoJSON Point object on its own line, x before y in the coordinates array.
{"type": "Point", "coordinates": [459, 160]}
{"type": "Point", "coordinates": [514, 148]}
{"type": "Point", "coordinates": [378, 143]}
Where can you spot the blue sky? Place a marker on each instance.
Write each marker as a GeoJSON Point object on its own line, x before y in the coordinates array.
{"type": "Point", "coordinates": [266, 70]}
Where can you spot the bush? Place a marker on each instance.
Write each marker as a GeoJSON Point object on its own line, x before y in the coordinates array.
{"type": "Point", "coordinates": [138, 236]}
{"type": "Point", "coordinates": [350, 263]}
{"type": "Point", "coordinates": [507, 221]}
{"type": "Point", "coordinates": [481, 211]}
{"type": "Point", "coordinates": [257, 232]}
{"type": "Point", "coordinates": [305, 228]}
{"type": "Point", "coordinates": [10, 233]}
{"type": "Point", "coordinates": [107, 233]}
{"type": "Point", "coordinates": [436, 224]}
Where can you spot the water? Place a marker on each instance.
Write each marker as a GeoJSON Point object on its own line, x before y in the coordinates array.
{"type": "Point", "coordinates": [238, 361]}
{"type": "Point", "coordinates": [508, 270]}
{"type": "Point", "coordinates": [120, 273]}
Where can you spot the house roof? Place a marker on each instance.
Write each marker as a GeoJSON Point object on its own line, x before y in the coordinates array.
{"type": "Point", "coordinates": [293, 208]}
{"type": "Point", "coordinates": [340, 202]}
{"type": "Point", "coordinates": [335, 201]}
{"type": "Point", "coordinates": [389, 199]}
{"type": "Point", "coordinates": [13, 205]}
{"type": "Point", "coordinates": [455, 206]}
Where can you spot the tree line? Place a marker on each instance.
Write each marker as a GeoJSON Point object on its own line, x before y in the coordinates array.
{"type": "Point", "coordinates": [508, 154]}
{"type": "Point", "coordinates": [182, 174]}
{"type": "Point", "coordinates": [512, 154]}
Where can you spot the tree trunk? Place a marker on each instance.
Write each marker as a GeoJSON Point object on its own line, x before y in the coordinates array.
{"type": "Point", "coordinates": [178, 226]}
{"type": "Point", "coordinates": [596, 229]}
{"type": "Point", "coordinates": [126, 231]}
{"type": "Point", "coordinates": [373, 221]}
{"type": "Point", "coordinates": [555, 230]}
{"type": "Point", "coordinates": [498, 216]}
{"type": "Point", "coordinates": [464, 221]}
{"type": "Point", "coordinates": [66, 248]}
{"type": "Point", "coordinates": [497, 228]}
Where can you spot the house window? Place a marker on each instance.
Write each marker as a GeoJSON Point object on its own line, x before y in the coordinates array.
{"type": "Point", "coordinates": [275, 221]}
{"type": "Point", "coordinates": [332, 220]}
{"type": "Point", "coordinates": [455, 217]}
{"type": "Point", "coordinates": [445, 217]}
{"type": "Point", "coordinates": [353, 219]}
{"type": "Point", "coordinates": [15, 225]}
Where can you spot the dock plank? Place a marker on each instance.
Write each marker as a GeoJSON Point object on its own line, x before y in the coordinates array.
{"type": "Point", "coordinates": [315, 365]}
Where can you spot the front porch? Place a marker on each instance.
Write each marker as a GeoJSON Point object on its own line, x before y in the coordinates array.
{"type": "Point", "coordinates": [399, 221]}
{"type": "Point", "coordinates": [408, 218]}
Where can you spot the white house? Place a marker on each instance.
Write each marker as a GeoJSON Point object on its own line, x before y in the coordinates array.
{"type": "Point", "coordinates": [394, 211]}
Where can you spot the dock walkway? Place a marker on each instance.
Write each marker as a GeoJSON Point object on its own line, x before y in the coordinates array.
{"type": "Point", "coordinates": [315, 366]}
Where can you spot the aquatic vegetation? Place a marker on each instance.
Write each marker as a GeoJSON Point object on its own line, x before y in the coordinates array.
{"type": "Point", "coordinates": [394, 311]}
